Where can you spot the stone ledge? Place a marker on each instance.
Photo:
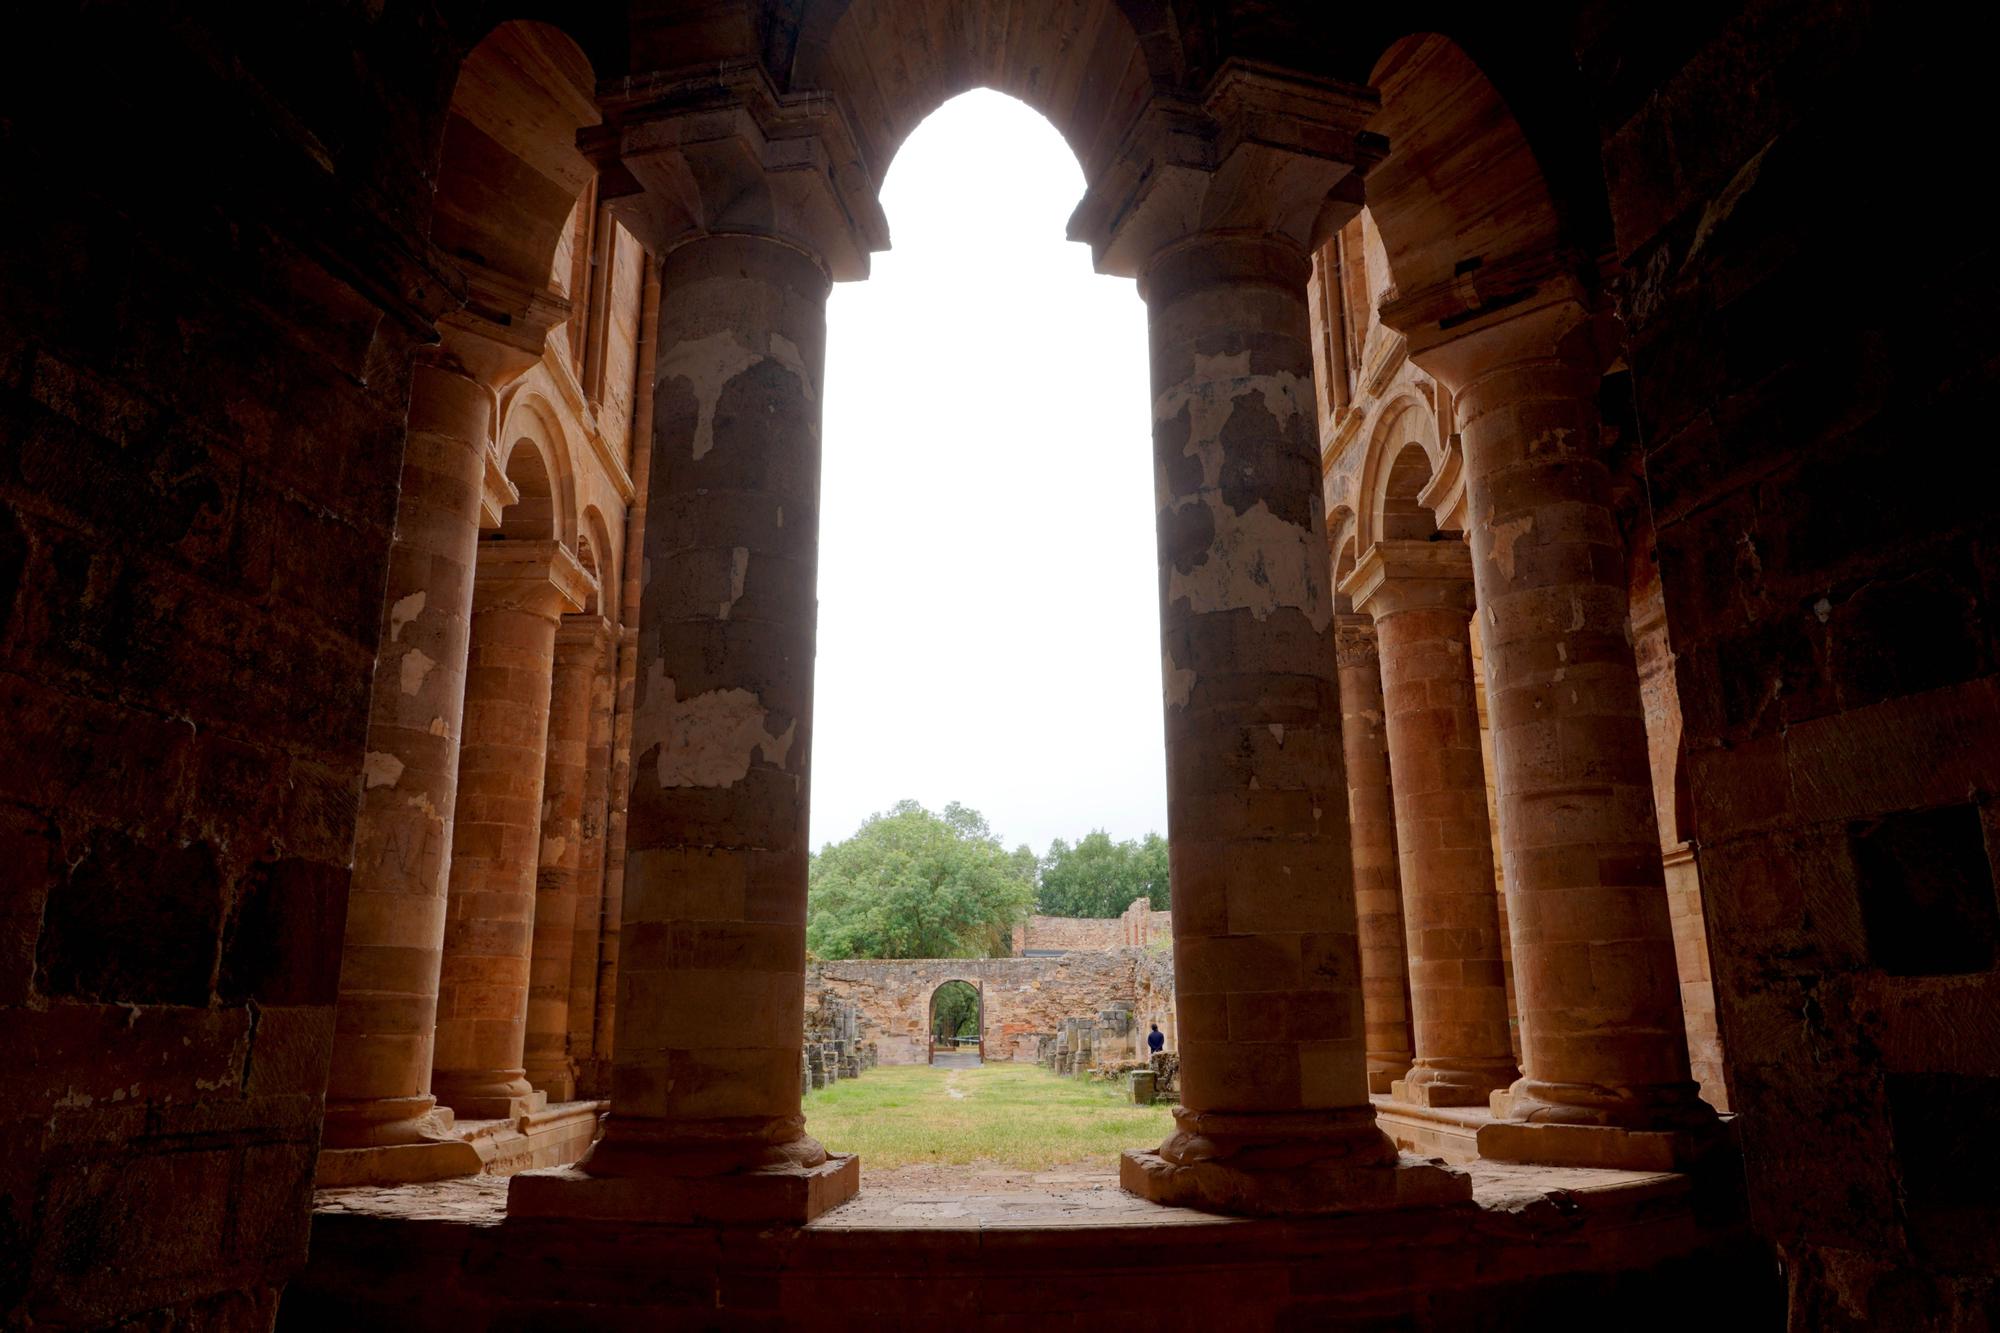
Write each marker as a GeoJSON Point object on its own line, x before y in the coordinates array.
{"type": "Point", "coordinates": [777, 1195]}
{"type": "Point", "coordinates": [1318, 1189]}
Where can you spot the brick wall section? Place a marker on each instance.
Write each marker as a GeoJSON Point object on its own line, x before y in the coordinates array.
{"type": "Point", "coordinates": [204, 378]}
{"type": "Point", "coordinates": [1830, 573]}
{"type": "Point", "coordinates": [1069, 932]}
{"type": "Point", "coordinates": [1025, 999]}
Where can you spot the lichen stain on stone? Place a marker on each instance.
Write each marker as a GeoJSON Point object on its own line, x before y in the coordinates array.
{"type": "Point", "coordinates": [739, 569]}
{"type": "Point", "coordinates": [709, 740]}
{"type": "Point", "coordinates": [1505, 536]}
{"type": "Point", "coordinates": [708, 364]}
{"type": "Point", "coordinates": [402, 611]}
{"type": "Point", "coordinates": [380, 769]}
{"type": "Point", "coordinates": [415, 667]}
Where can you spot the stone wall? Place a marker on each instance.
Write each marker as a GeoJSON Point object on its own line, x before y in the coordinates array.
{"type": "Point", "coordinates": [833, 1049]}
{"type": "Point", "coordinates": [1068, 933]}
{"type": "Point", "coordinates": [1023, 1000]}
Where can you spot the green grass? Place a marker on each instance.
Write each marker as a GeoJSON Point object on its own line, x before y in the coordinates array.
{"type": "Point", "coordinates": [1018, 1115]}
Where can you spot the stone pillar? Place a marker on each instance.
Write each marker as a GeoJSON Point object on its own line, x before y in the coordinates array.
{"type": "Point", "coordinates": [1275, 1117]}
{"type": "Point", "coordinates": [1420, 594]}
{"type": "Point", "coordinates": [382, 1124]}
{"type": "Point", "coordinates": [593, 828]}
{"type": "Point", "coordinates": [521, 590]}
{"type": "Point", "coordinates": [1607, 1079]}
{"type": "Point", "coordinates": [1378, 893]}
{"type": "Point", "coordinates": [705, 1122]}
{"type": "Point", "coordinates": [579, 665]}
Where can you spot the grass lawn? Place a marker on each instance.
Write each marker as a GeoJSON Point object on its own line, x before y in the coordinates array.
{"type": "Point", "coordinates": [1018, 1115]}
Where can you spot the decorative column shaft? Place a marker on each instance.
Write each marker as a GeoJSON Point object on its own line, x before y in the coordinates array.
{"type": "Point", "coordinates": [521, 590]}
{"type": "Point", "coordinates": [1378, 894]}
{"type": "Point", "coordinates": [382, 1124]}
{"type": "Point", "coordinates": [1217, 222]}
{"type": "Point", "coordinates": [1606, 1079]}
{"type": "Point", "coordinates": [579, 664]}
{"type": "Point", "coordinates": [705, 1122]}
{"type": "Point", "coordinates": [593, 828]}
{"type": "Point", "coordinates": [1420, 593]}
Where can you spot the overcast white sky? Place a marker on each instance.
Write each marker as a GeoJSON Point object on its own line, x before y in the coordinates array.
{"type": "Point", "coordinates": [988, 602]}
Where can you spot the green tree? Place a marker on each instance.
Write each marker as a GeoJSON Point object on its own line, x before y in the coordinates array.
{"type": "Point", "coordinates": [913, 884]}
{"type": "Point", "coordinates": [1099, 877]}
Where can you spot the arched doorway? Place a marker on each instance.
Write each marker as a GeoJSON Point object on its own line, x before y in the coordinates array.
{"type": "Point", "coordinates": [956, 1022]}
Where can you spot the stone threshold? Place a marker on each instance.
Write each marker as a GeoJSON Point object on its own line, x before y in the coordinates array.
{"type": "Point", "coordinates": [555, 1135]}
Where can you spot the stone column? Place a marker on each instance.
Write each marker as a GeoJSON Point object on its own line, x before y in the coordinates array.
{"type": "Point", "coordinates": [705, 1122]}
{"type": "Point", "coordinates": [382, 1124]}
{"type": "Point", "coordinates": [1420, 594]}
{"type": "Point", "coordinates": [593, 828]}
{"type": "Point", "coordinates": [1607, 1079]}
{"type": "Point", "coordinates": [1275, 1117]}
{"type": "Point", "coordinates": [521, 590]}
{"type": "Point", "coordinates": [1378, 893]}
{"type": "Point", "coordinates": [579, 664]}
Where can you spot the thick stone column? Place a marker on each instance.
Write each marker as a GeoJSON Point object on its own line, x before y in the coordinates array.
{"type": "Point", "coordinates": [1275, 1116]}
{"type": "Point", "coordinates": [1378, 893]}
{"type": "Point", "coordinates": [1607, 1079]}
{"type": "Point", "coordinates": [382, 1124]}
{"type": "Point", "coordinates": [579, 665]}
{"type": "Point", "coordinates": [705, 1122]}
{"type": "Point", "coordinates": [1420, 594]}
{"type": "Point", "coordinates": [521, 590]}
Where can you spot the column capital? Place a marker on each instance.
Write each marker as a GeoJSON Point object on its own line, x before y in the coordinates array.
{"type": "Point", "coordinates": [585, 634]}
{"type": "Point", "coordinates": [543, 578]}
{"type": "Point", "coordinates": [720, 151]}
{"type": "Point", "coordinates": [1354, 639]}
{"type": "Point", "coordinates": [1525, 307]}
{"type": "Point", "coordinates": [1263, 153]}
{"type": "Point", "coordinates": [496, 492]}
{"type": "Point", "coordinates": [1402, 575]}
{"type": "Point", "coordinates": [499, 333]}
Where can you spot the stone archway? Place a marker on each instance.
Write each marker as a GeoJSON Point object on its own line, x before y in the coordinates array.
{"type": "Point", "coordinates": [945, 1014]}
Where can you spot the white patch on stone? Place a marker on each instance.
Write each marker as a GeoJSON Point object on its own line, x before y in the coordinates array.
{"type": "Point", "coordinates": [1822, 608]}
{"type": "Point", "coordinates": [739, 567]}
{"type": "Point", "coordinates": [552, 848]}
{"type": "Point", "coordinates": [1209, 395]}
{"type": "Point", "coordinates": [781, 516]}
{"type": "Point", "coordinates": [437, 726]}
{"type": "Point", "coordinates": [380, 769]}
{"type": "Point", "coordinates": [1257, 562]}
{"type": "Point", "coordinates": [1278, 730]}
{"type": "Point", "coordinates": [1505, 535]}
{"type": "Point", "coordinates": [402, 611]}
{"type": "Point", "coordinates": [416, 665]}
{"type": "Point", "coordinates": [1253, 782]}
{"type": "Point", "coordinates": [707, 364]}
{"type": "Point", "coordinates": [1179, 683]}
{"type": "Point", "coordinates": [709, 740]}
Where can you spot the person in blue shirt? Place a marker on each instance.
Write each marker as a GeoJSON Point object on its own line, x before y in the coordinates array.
{"type": "Point", "coordinates": [1156, 1040]}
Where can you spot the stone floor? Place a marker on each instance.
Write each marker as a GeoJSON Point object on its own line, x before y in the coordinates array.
{"type": "Point", "coordinates": [955, 1060]}
{"type": "Point", "coordinates": [991, 1249]}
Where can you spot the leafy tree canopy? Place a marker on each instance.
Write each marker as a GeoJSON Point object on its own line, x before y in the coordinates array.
{"type": "Point", "coordinates": [955, 1010]}
{"type": "Point", "coordinates": [913, 884]}
{"type": "Point", "coordinates": [1099, 877]}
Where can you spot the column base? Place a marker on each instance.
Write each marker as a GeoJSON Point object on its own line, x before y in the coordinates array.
{"type": "Point", "coordinates": [1383, 1074]}
{"type": "Point", "coordinates": [503, 1095]}
{"type": "Point", "coordinates": [791, 1195]}
{"type": "Point", "coordinates": [1300, 1164]}
{"type": "Point", "coordinates": [557, 1083]}
{"type": "Point", "coordinates": [396, 1164]}
{"type": "Point", "coordinates": [1573, 1125]}
{"type": "Point", "coordinates": [1436, 1087]}
{"type": "Point", "coordinates": [750, 1169]}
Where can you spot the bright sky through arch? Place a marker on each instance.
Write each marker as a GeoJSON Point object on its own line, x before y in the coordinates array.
{"type": "Point", "coordinates": [988, 599]}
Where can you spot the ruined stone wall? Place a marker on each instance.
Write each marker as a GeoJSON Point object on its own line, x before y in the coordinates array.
{"type": "Point", "coordinates": [1069, 932]}
{"type": "Point", "coordinates": [1140, 927]}
{"type": "Point", "coordinates": [1023, 999]}
{"type": "Point", "coordinates": [1828, 567]}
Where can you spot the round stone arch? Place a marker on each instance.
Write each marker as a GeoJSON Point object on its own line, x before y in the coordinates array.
{"type": "Point", "coordinates": [1404, 420]}
{"type": "Point", "coordinates": [527, 420]}
{"type": "Point", "coordinates": [978, 989]}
